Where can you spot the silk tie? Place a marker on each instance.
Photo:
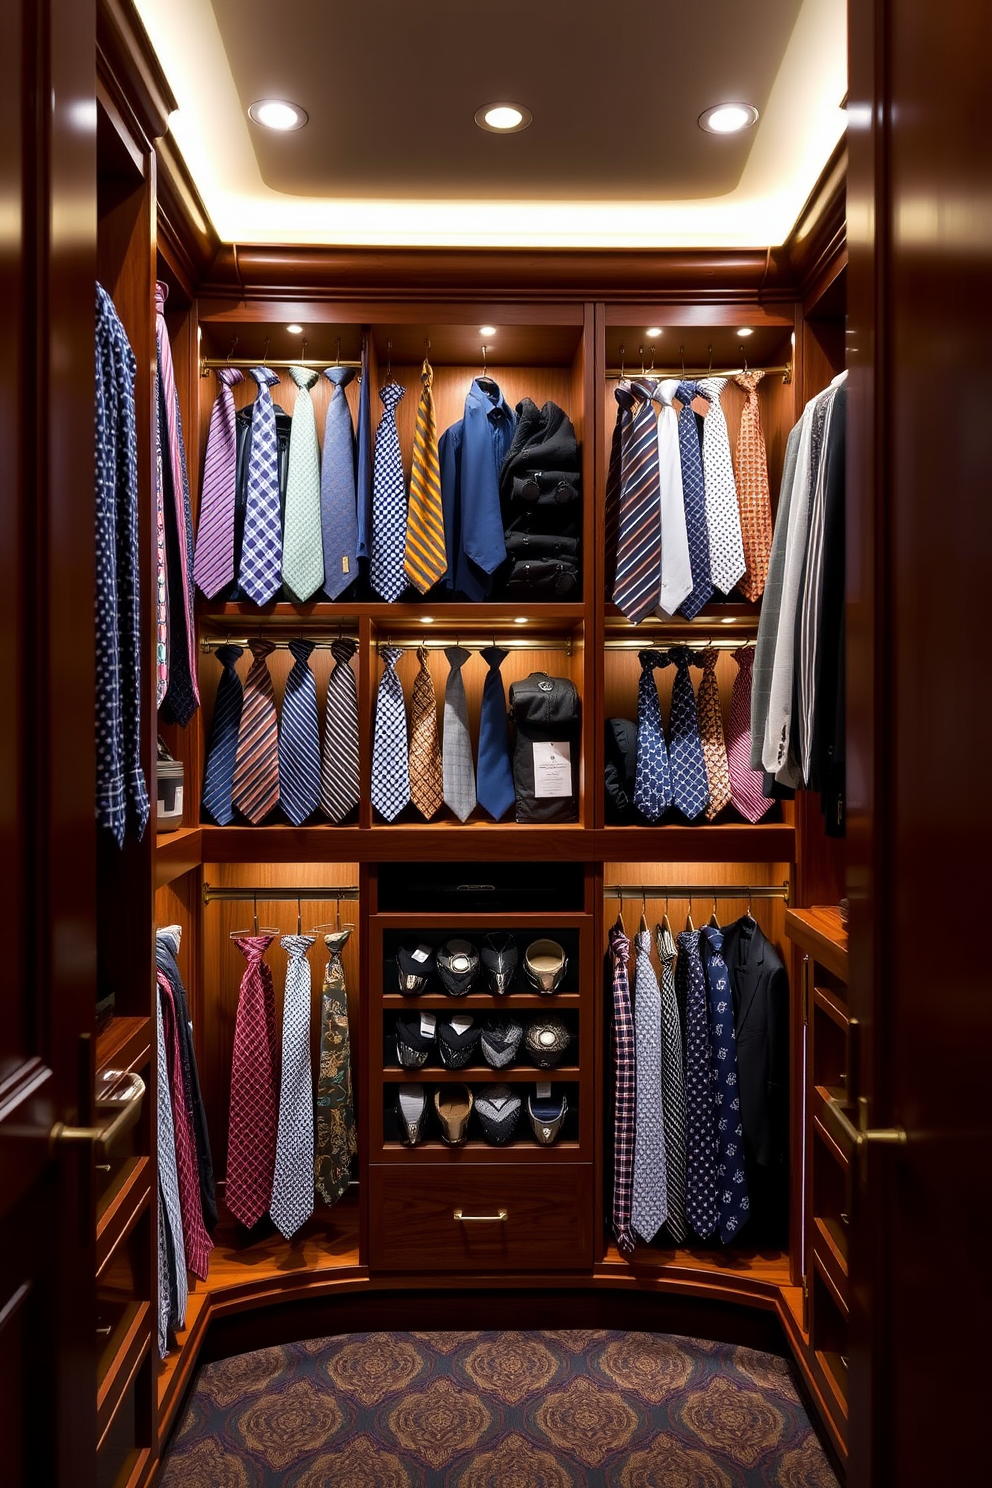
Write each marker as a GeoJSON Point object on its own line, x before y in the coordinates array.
{"type": "Point", "coordinates": [652, 777]}
{"type": "Point", "coordinates": [299, 739]}
{"type": "Point", "coordinates": [173, 1281]}
{"type": "Point", "coordinates": [614, 480]}
{"type": "Point", "coordinates": [638, 578]}
{"type": "Point", "coordinates": [745, 784]}
{"type": "Point", "coordinates": [302, 547]}
{"type": "Point", "coordinates": [711, 737]}
{"type": "Point", "coordinates": [388, 544]}
{"type": "Point", "coordinates": [261, 550]}
{"type": "Point", "coordinates": [196, 1242]}
{"type": "Point", "coordinates": [752, 490]}
{"type": "Point", "coordinates": [292, 1178]}
{"type": "Point", "coordinates": [251, 1141]}
{"type": "Point", "coordinates": [218, 775]}
{"type": "Point", "coordinates": [672, 1086]}
{"type": "Point", "coordinates": [390, 763]}
{"type": "Point", "coordinates": [426, 562]}
{"type": "Point", "coordinates": [256, 765]}
{"type": "Point", "coordinates": [458, 768]}
{"type": "Point", "coordinates": [339, 778]}
{"type": "Point", "coordinates": [161, 557]}
{"type": "Point", "coordinates": [213, 564]}
{"type": "Point", "coordinates": [723, 515]}
{"type": "Point", "coordinates": [649, 1209]}
{"type": "Point", "coordinates": [676, 569]}
{"type": "Point", "coordinates": [732, 1196]}
{"type": "Point", "coordinates": [336, 1138]}
{"type": "Point", "coordinates": [338, 508]}
{"type": "Point", "coordinates": [690, 791]}
{"type": "Point", "coordinates": [701, 1179]}
{"type": "Point", "coordinates": [693, 494]}
{"type": "Point", "coordinates": [495, 775]}
{"type": "Point", "coordinates": [624, 1093]}
{"type": "Point", "coordinates": [183, 696]}
{"type": "Point", "coordinates": [426, 781]}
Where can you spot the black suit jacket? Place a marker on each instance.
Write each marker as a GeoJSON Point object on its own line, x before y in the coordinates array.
{"type": "Point", "coordinates": [760, 986]}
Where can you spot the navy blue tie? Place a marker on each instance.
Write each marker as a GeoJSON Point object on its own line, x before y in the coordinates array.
{"type": "Point", "coordinates": [494, 775]}
{"type": "Point", "coordinates": [299, 740]}
{"type": "Point", "coordinates": [731, 1191]}
{"type": "Point", "coordinates": [690, 783]}
{"type": "Point", "coordinates": [652, 779]}
{"type": "Point", "coordinates": [694, 497]}
{"type": "Point", "coordinates": [701, 1180]}
{"type": "Point", "coordinates": [218, 777]}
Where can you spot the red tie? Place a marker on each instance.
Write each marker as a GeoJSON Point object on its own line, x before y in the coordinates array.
{"type": "Point", "coordinates": [745, 783]}
{"type": "Point", "coordinates": [196, 1242]}
{"type": "Point", "coordinates": [251, 1142]}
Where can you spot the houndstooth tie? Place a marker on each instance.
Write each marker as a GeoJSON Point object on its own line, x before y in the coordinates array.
{"type": "Point", "coordinates": [638, 575]}
{"type": "Point", "coordinates": [693, 494]}
{"type": "Point", "coordinates": [458, 767]}
{"type": "Point", "coordinates": [299, 739]}
{"type": "Point", "coordinates": [390, 764]}
{"type": "Point", "coordinates": [426, 787]}
{"type": "Point", "coordinates": [388, 545]}
{"type": "Point", "coordinates": [649, 1209]}
{"type": "Point", "coordinates": [723, 515]}
{"type": "Point", "coordinates": [701, 1179]}
{"type": "Point", "coordinates": [339, 780]}
{"type": "Point", "coordinates": [733, 1204]}
{"type": "Point", "coordinates": [292, 1179]}
{"type": "Point", "coordinates": [652, 777]}
{"type": "Point", "coordinates": [213, 564]}
{"type": "Point", "coordinates": [338, 507]}
{"type": "Point", "coordinates": [218, 774]}
{"type": "Point", "coordinates": [302, 547]}
{"type": "Point", "coordinates": [624, 1092]}
{"type": "Point", "coordinates": [426, 562]}
{"type": "Point", "coordinates": [752, 490]}
{"type": "Point", "coordinates": [672, 1085]}
{"type": "Point", "coordinates": [746, 785]}
{"type": "Point", "coordinates": [256, 766]}
{"type": "Point", "coordinates": [251, 1140]}
{"type": "Point", "coordinates": [690, 791]}
{"type": "Point", "coordinates": [261, 550]}
{"type": "Point", "coordinates": [710, 718]}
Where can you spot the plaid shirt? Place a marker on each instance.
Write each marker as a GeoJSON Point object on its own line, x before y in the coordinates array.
{"type": "Point", "coordinates": [624, 1093]}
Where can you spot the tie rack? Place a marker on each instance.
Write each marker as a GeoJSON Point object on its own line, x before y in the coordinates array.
{"type": "Point", "coordinates": [669, 642]}
{"type": "Point", "coordinates": [697, 891]}
{"type": "Point", "coordinates": [510, 643]}
{"type": "Point", "coordinates": [279, 891]}
{"type": "Point", "coordinates": [316, 364]}
{"type": "Point", "coordinates": [660, 374]}
{"type": "Point", "coordinates": [321, 643]}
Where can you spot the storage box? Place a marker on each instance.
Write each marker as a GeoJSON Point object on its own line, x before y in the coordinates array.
{"type": "Point", "coordinates": [170, 795]}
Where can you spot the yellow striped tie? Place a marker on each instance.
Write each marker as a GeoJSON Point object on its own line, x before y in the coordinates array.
{"type": "Point", "coordinates": [425, 561]}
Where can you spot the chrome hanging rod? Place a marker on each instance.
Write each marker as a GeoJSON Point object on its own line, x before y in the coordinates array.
{"type": "Point", "coordinates": [634, 373]}
{"type": "Point", "coordinates": [697, 891]}
{"type": "Point", "coordinates": [318, 364]}
{"type": "Point", "coordinates": [321, 643]}
{"type": "Point", "coordinates": [670, 642]}
{"type": "Point", "coordinates": [508, 643]}
{"type": "Point", "coordinates": [279, 891]}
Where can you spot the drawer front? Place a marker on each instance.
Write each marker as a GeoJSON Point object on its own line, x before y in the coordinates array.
{"type": "Point", "coordinates": [547, 1224]}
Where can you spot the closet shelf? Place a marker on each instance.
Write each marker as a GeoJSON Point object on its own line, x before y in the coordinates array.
{"type": "Point", "coordinates": [124, 1043]}
{"type": "Point", "coordinates": [479, 1074]}
{"type": "Point", "coordinates": [740, 613]}
{"type": "Point", "coordinates": [116, 1372]}
{"type": "Point", "coordinates": [120, 1208]}
{"type": "Point", "coordinates": [756, 1272]}
{"type": "Point", "coordinates": [398, 617]}
{"type": "Point", "coordinates": [828, 1247]}
{"type": "Point", "coordinates": [481, 1001]}
{"type": "Point", "coordinates": [176, 853]}
{"type": "Point", "coordinates": [737, 842]}
{"type": "Point", "coordinates": [443, 841]}
{"type": "Point", "coordinates": [822, 934]}
{"type": "Point", "coordinates": [522, 1149]}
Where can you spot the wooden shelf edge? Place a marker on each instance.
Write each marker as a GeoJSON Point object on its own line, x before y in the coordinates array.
{"type": "Point", "coordinates": [124, 1043]}
{"type": "Point", "coordinates": [836, 1011]}
{"type": "Point", "coordinates": [176, 853]}
{"type": "Point", "coordinates": [830, 1252]}
{"type": "Point", "coordinates": [175, 1371]}
{"type": "Point", "coordinates": [825, 1402]}
{"type": "Point", "coordinates": [835, 1284]}
{"type": "Point", "coordinates": [123, 1211]}
{"type": "Point", "coordinates": [820, 933]}
{"type": "Point", "coordinates": [113, 1386]}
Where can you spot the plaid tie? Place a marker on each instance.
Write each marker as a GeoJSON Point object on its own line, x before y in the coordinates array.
{"type": "Point", "coordinates": [218, 776]}
{"type": "Point", "coordinates": [701, 1179]}
{"type": "Point", "coordinates": [693, 494]}
{"type": "Point", "coordinates": [183, 696]}
{"type": "Point", "coordinates": [649, 1209]}
{"type": "Point", "coordinates": [426, 562]}
{"type": "Point", "coordinates": [292, 1178]}
{"type": "Point", "coordinates": [652, 777]}
{"type": "Point", "coordinates": [711, 734]}
{"type": "Point", "coordinates": [390, 765]}
{"type": "Point", "coordinates": [336, 1139]}
{"type": "Point", "coordinates": [261, 550]}
{"type": "Point", "coordinates": [746, 785]}
{"type": "Point", "coordinates": [251, 1141]}
{"type": "Point", "coordinates": [731, 1196]}
{"type": "Point", "coordinates": [672, 1085]}
{"type": "Point", "coordinates": [638, 578]}
{"type": "Point", "coordinates": [723, 516]}
{"type": "Point", "coordinates": [339, 787]}
{"type": "Point", "coordinates": [458, 767]}
{"type": "Point", "coordinates": [173, 1282]}
{"type": "Point", "coordinates": [338, 509]}
{"type": "Point", "coordinates": [426, 787]}
{"type": "Point", "coordinates": [690, 791]}
{"type": "Point", "coordinates": [299, 739]}
{"type": "Point", "coordinates": [302, 550]}
{"type": "Point", "coordinates": [388, 543]}
{"type": "Point", "coordinates": [752, 490]}
{"type": "Point", "coordinates": [196, 1242]}
{"type": "Point", "coordinates": [256, 765]}
{"type": "Point", "coordinates": [213, 564]}
{"type": "Point", "coordinates": [495, 773]}
{"type": "Point", "coordinates": [624, 1093]}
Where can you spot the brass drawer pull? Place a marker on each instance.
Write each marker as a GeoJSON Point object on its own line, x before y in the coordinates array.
{"type": "Point", "coordinates": [500, 1217]}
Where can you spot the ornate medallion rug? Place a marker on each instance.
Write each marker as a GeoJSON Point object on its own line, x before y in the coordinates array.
{"type": "Point", "coordinates": [575, 1409]}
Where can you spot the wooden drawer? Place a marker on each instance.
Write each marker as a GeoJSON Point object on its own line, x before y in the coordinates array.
{"type": "Point", "coordinates": [548, 1224]}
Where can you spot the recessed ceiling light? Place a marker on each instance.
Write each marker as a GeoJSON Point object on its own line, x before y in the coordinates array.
{"type": "Point", "coordinates": [653, 331]}
{"type": "Point", "coordinates": [503, 118]}
{"type": "Point", "coordinates": [276, 113]}
{"type": "Point", "coordinates": [520, 619]}
{"type": "Point", "coordinates": [487, 330]}
{"type": "Point", "coordinates": [427, 619]}
{"type": "Point", "coordinates": [728, 118]}
{"type": "Point", "coordinates": [295, 330]}
{"type": "Point", "coordinates": [745, 330]}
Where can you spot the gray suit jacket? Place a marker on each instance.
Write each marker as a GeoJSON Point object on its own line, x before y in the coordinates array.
{"type": "Point", "coordinates": [771, 604]}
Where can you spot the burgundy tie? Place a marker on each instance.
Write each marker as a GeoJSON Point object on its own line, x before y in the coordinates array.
{"type": "Point", "coordinates": [251, 1141]}
{"type": "Point", "coordinates": [196, 1241]}
{"type": "Point", "coordinates": [213, 563]}
{"type": "Point", "coordinates": [255, 789]}
{"type": "Point", "coordinates": [745, 783]}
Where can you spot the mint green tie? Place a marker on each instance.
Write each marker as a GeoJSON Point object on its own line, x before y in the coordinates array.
{"type": "Point", "coordinates": [302, 546]}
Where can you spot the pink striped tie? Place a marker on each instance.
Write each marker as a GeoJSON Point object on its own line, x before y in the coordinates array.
{"type": "Point", "coordinates": [256, 764]}
{"type": "Point", "coordinates": [177, 464]}
{"type": "Point", "coordinates": [213, 563]}
{"type": "Point", "coordinates": [745, 783]}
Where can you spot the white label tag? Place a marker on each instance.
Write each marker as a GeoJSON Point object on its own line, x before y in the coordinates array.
{"type": "Point", "coordinates": [462, 1022]}
{"type": "Point", "coordinates": [544, 1089]}
{"type": "Point", "coordinates": [427, 1022]}
{"type": "Point", "coordinates": [422, 953]}
{"type": "Point", "coordinates": [179, 798]}
{"type": "Point", "coordinates": [552, 770]}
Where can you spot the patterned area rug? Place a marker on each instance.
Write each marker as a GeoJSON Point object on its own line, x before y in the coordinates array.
{"type": "Point", "coordinates": [577, 1409]}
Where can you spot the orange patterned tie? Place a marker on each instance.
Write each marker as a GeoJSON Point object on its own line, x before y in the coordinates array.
{"type": "Point", "coordinates": [426, 789]}
{"type": "Point", "coordinates": [752, 490]}
{"type": "Point", "coordinates": [425, 561]}
{"type": "Point", "coordinates": [711, 735]}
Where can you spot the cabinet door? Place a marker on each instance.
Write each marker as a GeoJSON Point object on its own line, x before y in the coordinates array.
{"type": "Point", "coordinates": [47, 1343]}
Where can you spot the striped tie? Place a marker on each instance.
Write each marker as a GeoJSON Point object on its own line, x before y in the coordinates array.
{"type": "Point", "coordinates": [388, 543]}
{"type": "Point", "coordinates": [425, 561]}
{"type": "Point", "coordinates": [723, 514]}
{"type": "Point", "coordinates": [390, 764]}
{"type": "Point", "coordinates": [213, 565]}
{"type": "Point", "coordinates": [261, 550]}
{"type": "Point", "coordinates": [638, 579]}
{"type": "Point", "coordinates": [613, 483]}
{"type": "Point", "coordinates": [299, 739]}
{"type": "Point", "coordinates": [672, 1084]}
{"type": "Point", "coordinates": [745, 784]}
{"type": "Point", "coordinates": [339, 787]}
{"type": "Point", "coordinates": [693, 494]}
{"type": "Point", "coordinates": [183, 696]}
{"type": "Point", "coordinates": [302, 550]}
{"type": "Point", "coordinates": [425, 750]}
{"type": "Point", "coordinates": [711, 734]}
{"type": "Point", "coordinates": [218, 776]}
{"type": "Point", "coordinates": [256, 766]}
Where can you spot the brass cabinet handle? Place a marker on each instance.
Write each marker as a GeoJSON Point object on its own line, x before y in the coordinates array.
{"type": "Point", "coordinates": [500, 1217]}
{"type": "Point", "coordinates": [861, 1135]}
{"type": "Point", "coordinates": [122, 1093]}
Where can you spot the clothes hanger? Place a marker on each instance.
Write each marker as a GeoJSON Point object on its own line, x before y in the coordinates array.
{"type": "Point", "coordinates": [665, 922]}
{"type": "Point", "coordinates": [688, 918]}
{"type": "Point", "coordinates": [336, 925]}
{"type": "Point", "coordinates": [619, 924]}
{"type": "Point", "coordinates": [713, 921]}
{"type": "Point", "coordinates": [389, 360]}
{"type": "Point", "coordinates": [265, 929]}
{"type": "Point", "coordinates": [487, 383]}
{"type": "Point", "coordinates": [644, 912]}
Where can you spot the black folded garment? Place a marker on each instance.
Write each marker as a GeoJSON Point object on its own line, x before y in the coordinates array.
{"type": "Point", "coordinates": [543, 439]}
{"type": "Point", "coordinates": [455, 1046]}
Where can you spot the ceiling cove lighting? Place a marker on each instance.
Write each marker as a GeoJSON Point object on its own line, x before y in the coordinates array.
{"type": "Point", "coordinates": [728, 118]}
{"type": "Point", "coordinates": [503, 118]}
{"type": "Point", "coordinates": [276, 113]}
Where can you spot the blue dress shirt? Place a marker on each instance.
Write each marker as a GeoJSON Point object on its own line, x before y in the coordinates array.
{"type": "Point", "coordinates": [470, 455]}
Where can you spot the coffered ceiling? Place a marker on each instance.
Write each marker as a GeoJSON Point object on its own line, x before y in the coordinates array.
{"type": "Point", "coordinates": [391, 153]}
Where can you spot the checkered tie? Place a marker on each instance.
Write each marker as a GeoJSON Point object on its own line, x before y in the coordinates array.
{"type": "Point", "coordinates": [261, 550]}
{"type": "Point", "coordinates": [302, 550]}
{"type": "Point", "coordinates": [649, 1209]}
{"type": "Point", "coordinates": [638, 579]}
{"type": "Point", "coordinates": [672, 1085]}
{"type": "Point", "coordinates": [299, 739]}
{"type": "Point", "coordinates": [390, 764]}
{"type": "Point", "coordinates": [256, 765]}
{"type": "Point", "coordinates": [731, 1196]}
{"type": "Point", "coordinates": [746, 785]}
{"type": "Point", "coordinates": [690, 791]}
{"type": "Point", "coordinates": [339, 787]}
{"type": "Point", "coordinates": [196, 1242]}
{"type": "Point", "coordinates": [495, 774]}
{"type": "Point", "coordinates": [173, 1281]}
{"type": "Point", "coordinates": [652, 777]}
{"type": "Point", "coordinates": [458, 767]}
{"type": "Point", "coordinates": [426, 781]}
{"type": "Point", "coordinates": [251, 1140]}
{"type": "Point", "coordinates": [218, 776]}
{"type": "Point", "coordinates": [701, 1179]}
{"type": "Point", "coordinates": [752, 490]}
{"type": "Point", "coordinates": [292, 1179]}
{"type": "Point", "coordinates": [213, 564]}
{"type": "Point", "coordinates": [723, 515]}
{"type": "Point", "coordinates": [426, 562]}
{"type": "Point", "coordinates": [388, 545]}
{"type": "Point", "coordinates": [338, 506]}
{"type": "Point", "coordinates": [710, 718]}
{"type": "Point", "coordinates": [624, 1093]}
{"type": "Point", "coordinates": [693, 494]}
